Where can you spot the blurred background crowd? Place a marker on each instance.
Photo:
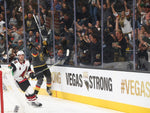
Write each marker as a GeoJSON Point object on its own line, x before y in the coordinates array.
{"type": "Point", "coordinates": [110, 34]}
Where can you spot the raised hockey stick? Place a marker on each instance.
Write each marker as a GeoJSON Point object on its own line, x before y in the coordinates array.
{"type": "Point", "coordinates": [38, 26]}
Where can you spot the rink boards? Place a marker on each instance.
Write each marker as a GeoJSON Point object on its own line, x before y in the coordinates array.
{"type": "Point", "coordinates": [123, 91]}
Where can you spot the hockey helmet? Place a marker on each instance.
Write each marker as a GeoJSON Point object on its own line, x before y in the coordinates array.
{"type": "Point", "coordinates": [20, 53]}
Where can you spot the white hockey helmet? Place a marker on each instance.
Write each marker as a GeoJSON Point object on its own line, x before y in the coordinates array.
{"type": "Point", "coordinates": [20, 53]}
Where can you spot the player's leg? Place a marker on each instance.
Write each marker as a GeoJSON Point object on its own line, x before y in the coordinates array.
{"type": "Point", "coordinates": [47, 74]}
{"type": "Point", "coordinates": [39, 83]}
{"type": "Point", "coordinates": [23, 85]}
{"type": "Point", "coordinates": [39, 77]}
{"type": "Point", "coordinates": [29, 92]}
{"type": "Point", "coordinates": [32, 98]}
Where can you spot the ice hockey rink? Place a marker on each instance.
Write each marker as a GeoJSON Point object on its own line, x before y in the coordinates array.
{"type": "Point", "coordinates": [50, 104]}
{"type": "Point", "coordinates": [53, 105]}
{"type": "Point", "coordinates": [13, 97]}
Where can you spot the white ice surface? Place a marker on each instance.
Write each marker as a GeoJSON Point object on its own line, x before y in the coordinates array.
{"type": "Point", "coordinates": [54, 105]}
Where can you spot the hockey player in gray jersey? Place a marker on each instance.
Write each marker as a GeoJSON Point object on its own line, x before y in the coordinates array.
{"type": "Point", "coordinates": [40, 68]}
{"type": "Point", "coordinates": [20, 68]}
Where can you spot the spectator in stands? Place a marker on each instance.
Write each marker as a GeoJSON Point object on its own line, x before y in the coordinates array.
{"type": "Point", "coordinates": [30, 8]}
{"type": "Point", "coordinates": [2, 48]}
{"type": "Point", "coordinates": [65, 8]}
{"type": "Point", "coordinates": [20, 44]}
{"type": "Point", "coordinates": [60, 54]}
{"type": "Point", "coordinates": [143, 56]}
{"type": "Point", "coordinates": [86, 10]}
{"type": "Point", "coordinates": [56, 5]}
{"type": "Point", "coordinates": [142, 9]}
{"type": "Point", "coordinates": [2, 24]}
{"type": "Point", "coordinates": [83, 17]}
{"type": "Point", "coordinates": [107, 12]}
{"type": "Point", "coordinates": [66, 23]}
{"type": "Point", "coordinates": [108, 51]}
{"type": "Point", "coordinates": [2, 9]}
{"type": "Point", "coordinates": [120, 46]}
{"type": "Point", "coordinates": [31, 37]}
{"type": "Point", "coordinates": [90, 49]}
{"type": "Point", "coordinates": [123, 19]}
{"type": "Point", "coordinates": [13, 20]}
{"type": "Point", "coordinates": [15, 34]}
{"type": "Point", "coordinates": [30, 23]}
{"type": "Point", "coordinates": [110, 25]}
{"type": "Point", "coordinates": [146, 22]}
{"type": "Point", "coordinates": [43, 13]}
{"type": "Point", "coordinates": [84, 51]}
{"type": "Point", "coordinates": [94, 5]}
{"type": "Point", "coordinates": [95, 49]}
{"type": "Point", "coordinates": [48, 3]}
{"type": "Point", "coordinates": [12, 53]}
{"type": "Point", "coordinates": [137, 20]}
{"type": "Point", "coordinates": [19, 17]}
{"type": "Point", "coordinates": [141, 32]}
{"type": "Point", "coordinates": [37, 37]}
{"type": "Point", "coordinates": [60, 57]}
{"type": "Point", "coordinates": [69, 40]}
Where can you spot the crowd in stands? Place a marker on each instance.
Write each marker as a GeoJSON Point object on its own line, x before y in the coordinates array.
{"type": "Point", "coordinates": [119, 38]}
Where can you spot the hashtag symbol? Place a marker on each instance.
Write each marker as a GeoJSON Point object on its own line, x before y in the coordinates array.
{"type": "Point", "coordinates": [122, 86]}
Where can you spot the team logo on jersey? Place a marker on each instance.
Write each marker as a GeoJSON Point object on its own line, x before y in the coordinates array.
{"type": "Point", "coordinates": [41, 57]}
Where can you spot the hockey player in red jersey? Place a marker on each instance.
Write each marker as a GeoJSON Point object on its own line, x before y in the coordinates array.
{"type": "Point", "coordinates": [20, 68]}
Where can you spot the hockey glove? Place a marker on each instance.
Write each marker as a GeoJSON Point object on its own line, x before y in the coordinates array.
{"type": "Point", "coordinates": [32, 75]}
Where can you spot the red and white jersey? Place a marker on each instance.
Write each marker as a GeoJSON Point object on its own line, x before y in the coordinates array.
{"type": "Point", "coordinates": [20, 70]}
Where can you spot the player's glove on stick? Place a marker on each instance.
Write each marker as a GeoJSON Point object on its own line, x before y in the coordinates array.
{"type": "Point", "coordinates": [32, 75]}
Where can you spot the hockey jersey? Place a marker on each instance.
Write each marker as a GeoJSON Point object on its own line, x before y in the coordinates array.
{"type": "Point", "coordinates": [20, 70]}
{"type": "Point", "coordinates": [38, 58]}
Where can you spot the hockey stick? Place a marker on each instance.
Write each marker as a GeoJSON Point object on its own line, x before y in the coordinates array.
{"type": "Point", "coordinates": [47, 68]}
{"type": "Point", "coordinates": [43, 70]}
{"type": "Point", "coordinates": [38, 26]}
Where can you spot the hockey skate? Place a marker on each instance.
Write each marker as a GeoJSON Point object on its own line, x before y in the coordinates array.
{"type": "Point", "coordinates": [36, 104]}
{"type": "Point", "coordinates": [49, 91]}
